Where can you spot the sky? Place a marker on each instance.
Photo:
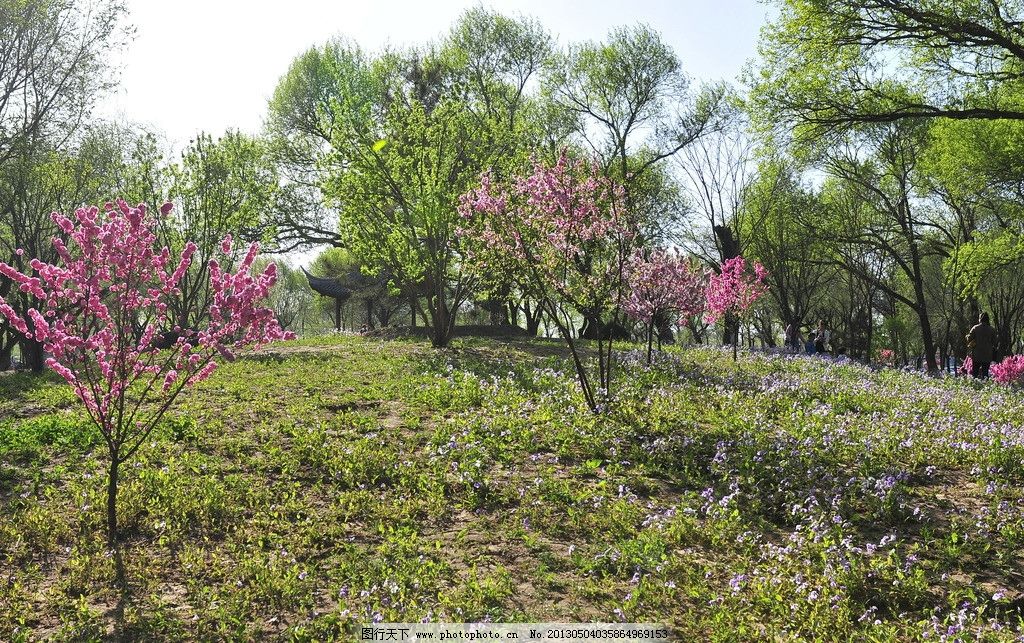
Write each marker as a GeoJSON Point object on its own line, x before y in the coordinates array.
{"type": "Point", "coordinates": [210, 65]}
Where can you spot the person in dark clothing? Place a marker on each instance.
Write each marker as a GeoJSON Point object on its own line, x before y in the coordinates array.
{"type": "Point", "coordinates": [793, 340]}
{"type": "Point", "coordinates": [822, 338]}
{"type": "Point", "coordinates": [982, 342]}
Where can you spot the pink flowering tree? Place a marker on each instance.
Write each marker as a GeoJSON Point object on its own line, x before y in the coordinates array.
{"type": "Point", "coordinates": [563, 229]}
{"type": "Point", "coordinates": [967, 368]}
{"type": "Point", "coordinates": [732, 292]}
{"type": "Point", "coordinates": [887, 356]}
{"type": "Point", "coordinates": [1010, 371]}
{"type": "Point", "coordinates": [104, 314]}
{"type": "Point", "coordinates": [662, 285]}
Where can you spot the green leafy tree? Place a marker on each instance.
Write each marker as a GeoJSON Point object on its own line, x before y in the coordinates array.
{"type": "Point", "coordinates": [221, 187]}
{"type": "Point", "coordinates": [784, 244]}
{"type": "Point", "coordinates": [632, 99]}
{"type": "Point", "coordinates": [53, 67]}
{"type": "Point", "coordinates": [829, 66]}
{"type": "Point", "coordinates": [326, 90]}
{"type": "Point", "coordinates": [398, 198]}
{"type": "Point", "coordinates": [386, 144]}
{"type": "Point", "coordinates": [633, 109]}
{"type": "Point", "coordinates": [875, 218]}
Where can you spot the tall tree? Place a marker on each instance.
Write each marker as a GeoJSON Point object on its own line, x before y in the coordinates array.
{"type": "Point", "coordinates": [53, 69]}
{"type": "Point", "coordinates": [221, 187]}
{"type": "Point", "coordinates": [53, 66]}
{"type": "Point", "coordinates": [632, 98]}
{"type": "Point", "coordinates": [718, 170]}
{"type": "Point", "coordinates": [634, 108]}
{"type": "Point", "coordinates": [397, 198]}
{"type": "Point", "coordinates": [388, 143]}
{"type": "Point", "coordinates": [325, 90]}
{"type": "Point", "coordinates": [828, 66]}
{"type": "Point", "coordinates": [786, 246]}
{"type": "Point", "coordinates": [875, 214]}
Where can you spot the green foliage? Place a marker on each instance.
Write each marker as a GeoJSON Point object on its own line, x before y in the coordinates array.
{"type": "Point", "coordinates": [55, 67]}
{"type": "Point", "coordinates": [221, 187]}
{"type": "Point", "coordinates": [982, 260]}
{"type": "Point", "coordinates": [778, 224]}
{"type": "Point", "coordinates": [632, 100]}
{"type": "Point", "coordinates": [830, 66]}
{"type": "Point", "coordinates": [394, 140]}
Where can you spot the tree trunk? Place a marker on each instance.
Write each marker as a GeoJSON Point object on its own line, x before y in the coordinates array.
{"type": "Point", "coordinates": [591, 327]}
{"type": "Point", "coordinates": [1003, 347]}
{"type": "Point", "coordinates": [731, 329]}
{"type": "Point", "coordinates": [929, 343]}
{"type": "Point", "coordinates": [369, 314]}
{"type": "Point", "coordinates": [922, 315]}
{"type": "Point", "coordinates": [32, 355]}
{"type": "Point", "coordinates": [497, 311]}
{"type": "Point", "coordinates": [650, 341]}
{"type": "Point", "coordinates": [736, 342]}
{"type": "Point", "coordinates": [438, 307]}
{"type": "Point", "coordinates": [6, 350]}
{"type": "Point", "coordinates": [870, 338]}
{"type": "Point", "coordinates": [112, 502]}
{"type": "Point", "coordinates": [663, 330]}
{"type": "Point", "coordinates": [533, 318]}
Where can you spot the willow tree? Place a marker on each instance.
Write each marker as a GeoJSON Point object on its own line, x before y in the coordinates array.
{"type": "Point", "coordinates": [634, 108]}
{"type": "Point", "coordinates": [53, 66]}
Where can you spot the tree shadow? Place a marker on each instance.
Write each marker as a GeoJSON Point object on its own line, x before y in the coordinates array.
{"type": "Point", "coordinates": [17, 390]}
{"type": "Point", "coordinates": [122, 631]}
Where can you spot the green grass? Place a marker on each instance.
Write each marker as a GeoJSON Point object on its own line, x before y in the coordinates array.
{"type": "Point", "coordinates": [330, 482]}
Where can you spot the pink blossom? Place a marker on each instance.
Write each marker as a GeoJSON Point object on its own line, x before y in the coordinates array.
{"type": "Point", "coordinates": [564, 223]}
{"type": "Point", "coordinates": [663, 283]}
{"type": "Point", "coordinates": [563, 232]}
{"type": "Point", "coordinates": [169, 379]}
{"type": "Point", "coordinates": [1009, 371]}
{"type": "Point", "coordinates": [968, 366]}
{"type": "Point", "coordinates": [734, 290]}
{"type": "Point", "coordinates": [111, 276]}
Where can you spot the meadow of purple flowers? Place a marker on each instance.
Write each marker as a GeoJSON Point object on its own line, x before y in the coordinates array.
{"type": "Point", "coordinates": [298, 494]}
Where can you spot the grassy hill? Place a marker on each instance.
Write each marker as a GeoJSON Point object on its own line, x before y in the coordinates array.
{"type": "Point", "coordinates": [337, 481]}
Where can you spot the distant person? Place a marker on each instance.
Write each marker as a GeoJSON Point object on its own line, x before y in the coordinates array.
{"type": "Point", "coordinates": [821, 338]}
{"type": "Point", "coordinates": [810, 345]}
{"type": "Point", "coordinates": [793, 336]}
{"type": "Point", "coordinates": [982, 342]}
